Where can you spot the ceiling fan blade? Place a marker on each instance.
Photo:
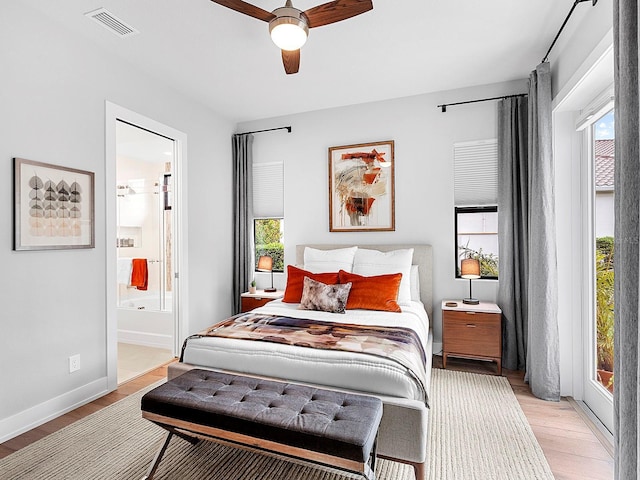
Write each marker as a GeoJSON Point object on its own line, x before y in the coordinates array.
{"type": "Point", "coordinates": [336, 11]}
{"type": "Point", "coordinates": [291, 61]}
{"type": "Point", "coordinates": [247, 9]}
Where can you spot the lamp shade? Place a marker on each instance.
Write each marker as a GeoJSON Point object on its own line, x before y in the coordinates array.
{"type": "Point", "coordinates": [265, 263]}
{"type": "Point", "coordinates": [470, 268]}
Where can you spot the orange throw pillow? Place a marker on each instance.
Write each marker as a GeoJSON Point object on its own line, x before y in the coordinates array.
{"type": "Point", "coordinates": [295, 282]}
{"type": "Point", "coordinates": [378, 292]}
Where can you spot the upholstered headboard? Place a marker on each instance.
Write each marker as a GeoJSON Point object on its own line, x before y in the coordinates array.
{"type": "Point", "coordinates": [422, 257]}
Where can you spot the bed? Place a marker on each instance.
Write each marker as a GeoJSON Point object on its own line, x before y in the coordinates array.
{"type": "Point", "coordinates": [403, 388]}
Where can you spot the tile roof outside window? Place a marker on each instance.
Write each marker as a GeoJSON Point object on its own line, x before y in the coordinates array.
{"type": "Point", "coordinates": [605, 163]}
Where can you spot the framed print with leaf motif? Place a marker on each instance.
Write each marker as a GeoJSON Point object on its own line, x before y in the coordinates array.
{"type": "Point", "coordinates": [53, 207]}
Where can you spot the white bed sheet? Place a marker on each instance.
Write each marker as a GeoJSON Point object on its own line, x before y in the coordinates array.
{"type": "Point", "coordinates": [331, 368]}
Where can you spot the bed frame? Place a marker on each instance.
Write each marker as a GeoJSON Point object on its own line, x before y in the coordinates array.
{"type": "Point", "coordinates": [404, 427]}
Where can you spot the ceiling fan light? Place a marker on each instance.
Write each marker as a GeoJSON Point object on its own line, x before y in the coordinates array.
{"type": "Point", "coordinates": [288, 33]}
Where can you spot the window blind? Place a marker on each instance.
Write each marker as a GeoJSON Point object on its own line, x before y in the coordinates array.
{"type": "Point", "coordinates": [268, 190]}
{"type": "Point", "coordinates": [476, 173]}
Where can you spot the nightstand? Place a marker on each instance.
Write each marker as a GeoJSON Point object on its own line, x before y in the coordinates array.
{"type": "Point", "coordinates": [258, 299]}
{"type": "Point", "coordinates": [472, 331]}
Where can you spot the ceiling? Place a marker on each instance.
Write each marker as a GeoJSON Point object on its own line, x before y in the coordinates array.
{"type": "Point", "coordinates": [139, 144]}
{"type": "Point", "coordinates": [227, 61]}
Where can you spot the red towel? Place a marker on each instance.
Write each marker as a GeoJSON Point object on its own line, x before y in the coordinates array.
{"type": "Point", "coordinates": [139, 273]}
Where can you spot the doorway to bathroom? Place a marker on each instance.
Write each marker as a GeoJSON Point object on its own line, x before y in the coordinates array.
{"type": "Point", "coordinates": [145, 234]}
{"type": "Point", "coordinates": [144, 242]}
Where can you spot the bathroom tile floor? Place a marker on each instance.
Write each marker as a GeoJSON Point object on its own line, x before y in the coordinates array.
{"type": "Point", "coordinates": [136, 360]}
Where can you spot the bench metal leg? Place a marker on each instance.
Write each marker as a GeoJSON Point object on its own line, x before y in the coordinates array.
{"type": "Point", "coordinates": [156, 460]}
{"type": "Point", "coordinates": [189, 438]}
{"type": "Point", "coordinates": [370, 466]}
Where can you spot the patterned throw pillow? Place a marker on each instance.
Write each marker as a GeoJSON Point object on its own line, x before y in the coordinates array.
{"type": "Point", "coordinates": [327, 298]}
{"type": "Point", "coordinates": [295, 282]}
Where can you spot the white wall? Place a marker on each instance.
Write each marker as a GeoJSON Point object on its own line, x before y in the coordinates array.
{"type": "Point", "coordinates": [582, 35]}
{"type": "Point", "coordinates": [604, 213]}
{"type": "Point", "coordinates": [52, 91]}
{"type": "Point", "coordinates": [424, 139]}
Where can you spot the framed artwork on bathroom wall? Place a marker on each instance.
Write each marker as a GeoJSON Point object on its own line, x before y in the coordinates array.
{"type": "Point", "coordinates": [53, 207]}
{"type": "Point", "coordinates": [361, 187]}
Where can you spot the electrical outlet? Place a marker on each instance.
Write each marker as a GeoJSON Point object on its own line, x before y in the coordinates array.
{"type": "Point", "coordinates": [74, 363]}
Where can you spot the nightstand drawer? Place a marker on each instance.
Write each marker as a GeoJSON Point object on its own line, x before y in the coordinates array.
{"type": "Point", "coordinates": [249, 303]}
{"type": "Point", "coordinates": [472, 333]}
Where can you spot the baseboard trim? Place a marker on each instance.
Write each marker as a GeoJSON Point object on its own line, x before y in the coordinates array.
{"type": "Point", "coordinates": [145, 339]}
{"type": "Point", "coordinates": [35, 416]}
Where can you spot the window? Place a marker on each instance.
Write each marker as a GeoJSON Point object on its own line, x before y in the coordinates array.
{"type": "Point", "coordinates": [476, 198]}
{"type": "Point", "coordinates": [477, 237]}
{"type": "Point", "coordinates": [268, 238]}
{"type": "Point", "coordinates": [602, 230]}
{"type": "Point", "coordinates": [268, 212]}
{"type": "Point", "coordinates": [597, 270]}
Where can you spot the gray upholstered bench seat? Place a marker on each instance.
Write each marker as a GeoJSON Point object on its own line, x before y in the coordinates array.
{"type": "Point", "coordinates": [325, 426]}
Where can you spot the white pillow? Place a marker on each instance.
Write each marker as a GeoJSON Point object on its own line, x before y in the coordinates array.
{"type": "Point", "coordinates": [414, 284]}
{"type": "Point", "coordinates": [373, 262]}
{"type": "Point", "coordinates": [320, 261]}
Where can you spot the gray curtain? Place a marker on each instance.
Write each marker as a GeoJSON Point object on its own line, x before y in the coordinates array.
{"type": "Point", "coordinates": [528, 284]}
{"type": "Point", "coordinates": [513, 228]}
{"type": "Point", "coordinates": [543, 362]}
{"type": "Point", "coordinates": [242, 214]}
{"type": "Point", "coordinates": [627, 248]}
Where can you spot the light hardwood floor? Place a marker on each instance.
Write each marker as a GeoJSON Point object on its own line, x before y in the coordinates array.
{"type": "Point", "coordinates": [136, 360]}
{"type": "Point", "coordinates": [569, 444]}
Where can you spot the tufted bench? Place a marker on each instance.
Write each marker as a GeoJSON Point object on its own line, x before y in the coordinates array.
{"type": "Point", "coordinates": [318, 425]}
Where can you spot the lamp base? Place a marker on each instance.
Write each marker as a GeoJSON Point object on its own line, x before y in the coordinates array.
{"type": "Point", "coordinates": [270, 290]}
{"type": "Point", "coordinates": [471, 301]}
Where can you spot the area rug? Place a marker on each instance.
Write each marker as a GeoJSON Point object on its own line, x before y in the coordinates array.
{"type": "Point", "coordinates": [478, 431]}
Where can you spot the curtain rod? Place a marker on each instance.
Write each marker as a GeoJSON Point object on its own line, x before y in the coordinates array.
{"type": "Point", "coordinates": [575, 4]}
{"type": "Point", "coordinates": [288, 129]}
{"type": "Point", "coordinates": [445, 105]}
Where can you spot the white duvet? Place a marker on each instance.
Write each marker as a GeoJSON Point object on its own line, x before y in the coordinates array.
{"type": "Point", "coordinates": [331, 368]}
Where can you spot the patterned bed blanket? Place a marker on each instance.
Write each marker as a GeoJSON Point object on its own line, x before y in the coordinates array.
{"type": "Point", "coordinates": [401, 345]}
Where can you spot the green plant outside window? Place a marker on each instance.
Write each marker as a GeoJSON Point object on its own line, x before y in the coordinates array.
{"type": "Point", "coordinates": [269, 240]}
{"type": "Point", "coordinates": [476, 236]}
{"type": "Point", "coordinates": [604, 303]}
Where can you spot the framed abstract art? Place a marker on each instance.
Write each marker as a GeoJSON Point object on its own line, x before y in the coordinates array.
{"type": "Point", "coordinates": [53, 207]}
{"type": "Point", "coordinates": [361, 188]}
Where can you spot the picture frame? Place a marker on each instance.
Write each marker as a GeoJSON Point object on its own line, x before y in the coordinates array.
{"type": "Point", "coordinates": [54, 206]}
{"type": "Point", "coordinates": [362, 187]}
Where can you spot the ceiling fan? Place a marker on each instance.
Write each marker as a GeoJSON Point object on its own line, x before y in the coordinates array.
{"type": "Point", "coordinates": [289, 27]}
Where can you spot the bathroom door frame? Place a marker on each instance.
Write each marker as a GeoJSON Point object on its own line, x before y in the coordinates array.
{"type": "Point", "coordinates": [113, 113]}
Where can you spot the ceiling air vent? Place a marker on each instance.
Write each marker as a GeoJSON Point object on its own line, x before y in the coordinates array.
{"type": "Point", "coordinates": [112, 23]}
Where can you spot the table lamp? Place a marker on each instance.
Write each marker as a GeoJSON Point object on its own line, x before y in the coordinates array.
{"type": "Point", "coordinates": [265, 264]}
{"type": "Point", "coordinates": [470, 268]}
